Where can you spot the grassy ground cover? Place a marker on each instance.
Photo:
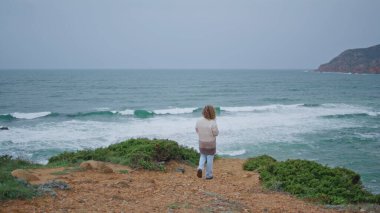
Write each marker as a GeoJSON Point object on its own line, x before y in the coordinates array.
{"type": "Point", "coordinates": [310, 180]}
{"type": "Point", "coordinates": [11, 188]}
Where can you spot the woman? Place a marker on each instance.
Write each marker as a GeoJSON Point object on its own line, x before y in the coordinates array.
{"type": "Point", "coordinates": [207, 130]}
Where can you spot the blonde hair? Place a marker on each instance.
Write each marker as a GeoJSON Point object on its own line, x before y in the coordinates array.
{"type": "Point", "coordinates": [209, 112]}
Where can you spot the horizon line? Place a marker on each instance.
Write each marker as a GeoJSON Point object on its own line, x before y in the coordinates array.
{"type": "Point", "coordinates": [129, 69]}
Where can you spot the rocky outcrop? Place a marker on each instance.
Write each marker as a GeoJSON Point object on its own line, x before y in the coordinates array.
{"type": "Point", "coordinates": [24, 175]}
{"type": "Point", "coordinates": [96, 165]}
{"type": "Point", "coordinates": [362, 60]}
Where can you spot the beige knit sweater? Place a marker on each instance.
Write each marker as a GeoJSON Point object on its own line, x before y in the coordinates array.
{"type": "Point", "coordinates": [207, 131]}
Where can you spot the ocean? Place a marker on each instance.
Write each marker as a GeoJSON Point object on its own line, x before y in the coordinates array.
{"type": "Point", "coordinates": [331, 118]}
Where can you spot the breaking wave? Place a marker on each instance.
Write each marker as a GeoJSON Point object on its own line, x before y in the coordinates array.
{"type": "Point", "coordinates": [28, 116]}
{"type": "Point", "coordinates": [323, 110]}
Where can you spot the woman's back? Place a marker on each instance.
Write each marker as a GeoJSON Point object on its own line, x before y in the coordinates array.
{"type": "Point", "coordinates": [207, 130]}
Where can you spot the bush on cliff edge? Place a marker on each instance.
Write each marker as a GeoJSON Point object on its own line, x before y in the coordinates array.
{"type": "Point", "coordinates": [136, 153]}
{"type": "Point", "coordinates": [311, 181]}
{"type": "Point", "coordinates": [11, 188]}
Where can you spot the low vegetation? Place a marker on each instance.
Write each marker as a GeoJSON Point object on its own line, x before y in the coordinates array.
{"type": "Point", "coordinates": [136, 153]}
{"type": "Point", "coordinates": [311, 181]}
{"type": "Point", "coordinates": [305, 179]}
{"type": "Point", "coordinates": [11, 188]}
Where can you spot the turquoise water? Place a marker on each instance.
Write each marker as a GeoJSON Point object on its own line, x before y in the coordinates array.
{"type": "Point", "coordinates": [327, 117]}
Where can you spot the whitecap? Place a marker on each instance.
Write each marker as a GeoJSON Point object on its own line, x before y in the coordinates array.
{"type": "Point", "coordinates": [174, 111]}
{"type": "Point", "coordinates": [31, 115]}
{"type": "Point", "coordinates": [124, 112]}
{"type": "Point", "coordinates": [233, 152]}
{"type": "Point", "coordinates": [264, 108]}
{"type": "Point", "coordinates": [102, 109]}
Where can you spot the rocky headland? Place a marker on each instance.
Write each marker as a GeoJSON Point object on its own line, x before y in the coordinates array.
{"type": "Point", "coordinates": [361, 60]}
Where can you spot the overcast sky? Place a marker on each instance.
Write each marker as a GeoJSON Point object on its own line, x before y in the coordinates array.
{"type": "Point", "coordinates": [189, 34]}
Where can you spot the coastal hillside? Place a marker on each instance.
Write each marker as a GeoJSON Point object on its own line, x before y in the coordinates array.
{"type": "Point", "coordinates": [361, 60]}
{"type": "Point", "coordinates": [178, 189]}
{"type": "Point", "coordinates": [142, 175]}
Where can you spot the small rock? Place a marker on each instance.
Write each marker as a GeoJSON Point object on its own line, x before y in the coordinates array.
{"type": "Point", "coordinates": [49, 186]}
{"type": "Point", "coordinates": [24, 175]}
{"type": "Point", "coordinates": [56, 184]}
{"type": "Point", "coordinates": [122, 184]}
{"type": "Point", "coordinates": [180, 169]}
{"type": "Point", "coordinates": [4, 128]}
{"type": "Point", "coordinates": [117, 197]}
{"type": "Point", "coordinates": [247, 175]}
{"type": "Point", "coordinates": [96, 165]}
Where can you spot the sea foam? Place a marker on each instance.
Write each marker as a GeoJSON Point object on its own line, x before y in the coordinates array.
{"type": "Point", "coordinates": [233, 152]}
{"type": "Point", "coordinates": [31, 115]}
{"type": "Point", "coordinates": [175, 111]}
{"type": "Point", "coordinates": [240, 128]}
{"type": "Point", "coordinates": [125, 112]}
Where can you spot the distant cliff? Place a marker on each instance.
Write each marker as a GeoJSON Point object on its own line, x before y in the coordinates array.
{"type": "Point", "coordinates": [362, 60]}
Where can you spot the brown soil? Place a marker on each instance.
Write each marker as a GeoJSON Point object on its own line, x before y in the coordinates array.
{"type": "Point", "coordinates": [231, 190]}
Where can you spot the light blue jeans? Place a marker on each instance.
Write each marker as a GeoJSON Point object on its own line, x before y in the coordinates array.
{"type": "Point", "coordinates": [210, 161]}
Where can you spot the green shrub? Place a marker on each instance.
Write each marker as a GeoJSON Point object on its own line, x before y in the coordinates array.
{"type": "Point", "coordinates": [136, 153]}
{"type": "Point", "coordinates": [310, 180]}
{"type": "Point", "coordinates": [11, 188]}
{"type": "Point", "coordinates": [258, 163]}
{"type": "Point", "coordinates": [190, 155]}
{"type": "Point", "coordinates": [67, 158]}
